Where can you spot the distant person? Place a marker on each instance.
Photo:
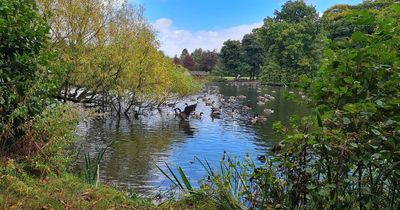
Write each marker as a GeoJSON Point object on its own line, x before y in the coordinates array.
{"type": "Point", "coordinates": [238, 77]}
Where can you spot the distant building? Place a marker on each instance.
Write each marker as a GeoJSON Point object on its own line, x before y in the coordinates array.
{"type": "Point", "coordinates": [199, 73]}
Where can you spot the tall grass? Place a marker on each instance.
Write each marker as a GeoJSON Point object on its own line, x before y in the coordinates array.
{"type": "Point", "coordinates": [91, 167]}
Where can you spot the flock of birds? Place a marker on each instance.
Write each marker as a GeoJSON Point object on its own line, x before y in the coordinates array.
{"type": "Point", "coordinates": [227, 106]}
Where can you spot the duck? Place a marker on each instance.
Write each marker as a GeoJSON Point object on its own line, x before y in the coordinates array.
{"type": "Point", "coordinates": [268, 111]}
{"type": "Point", "coordinates": [197, 116]}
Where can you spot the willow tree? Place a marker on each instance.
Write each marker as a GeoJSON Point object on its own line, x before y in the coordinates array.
{"type": "Point", "coordinates": [108, 51]}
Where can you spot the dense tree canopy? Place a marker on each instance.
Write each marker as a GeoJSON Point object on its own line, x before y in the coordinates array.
{"type": "Point", "coordinates": [253, 54]}
{"type": "Point", "coordinates": [292, 42]}
{"type": "Point", "coordinates": [232, 58]}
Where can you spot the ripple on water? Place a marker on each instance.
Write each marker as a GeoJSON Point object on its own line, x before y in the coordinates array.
{"type": "Point", "coordinates": [157, 138]}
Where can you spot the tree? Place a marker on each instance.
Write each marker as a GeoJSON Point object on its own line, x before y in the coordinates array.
{"type": "Point", "coordinates": [110, 54]}
{"type": "Point", "coordinates": [208, 61]}
{"type": "Point", "coordinates": [184, 54]}
{"type": "Point", "coordinates": [252, 54]}
{"type": "Point", "coordinates": [197, 56]}
{"type": "Point", "coordinates": [25, 79]}
{"type": "Point", "coordinates": [188, 63]}
{"type": "Point", "coordinates": [176, 60]}
{"type": "Point", "coordinates": [292, 42]}
{"type": "Point", "coordinates": [231, 58]}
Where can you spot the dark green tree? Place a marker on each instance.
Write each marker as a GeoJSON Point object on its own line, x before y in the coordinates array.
{"type": "Point", "coordinates": [196, 55]}
{"type": "Point", "coordinates": [184, 53]}
{"type": "Point", "coordinates": [252, 54]}
{"type": "Point", "coordinates": [292, 42]}
{"type": "Point", "coordinates": [232, 58]}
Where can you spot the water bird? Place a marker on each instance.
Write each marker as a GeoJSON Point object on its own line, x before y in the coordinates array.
{"type": "Point", "coordinates": [215, 114]}
{"type": "Point", "coordinates": [136, 115]}
{"type": "Point", "coordinates": [197, 116]}
{"type": "Point", "coordinates": [232, 113]}
{"type": "Point", "coordinates": [254, 119]}
{"type": "Point", "coordinates": [246, 108]}
{"type": "Point", "coordinates": [216, 108]}
{"type": "Point", "coordinates": [268, 111]}
{"type": "Point", "coordinates": [260, 103]}
{"type": "Point", "coordinates": [208, 103]}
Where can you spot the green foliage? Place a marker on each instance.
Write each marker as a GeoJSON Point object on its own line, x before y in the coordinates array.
{"type": "Point", "coordinates": [232, 58]}
{"type": "Point", "coordinates": [91, 167]}
{"type": "Point", "coordinates": [292, 43]}
{"type": "Point", "coordinates": [24, 83]}
{"type": "Point", "coordinates": [253, 54]}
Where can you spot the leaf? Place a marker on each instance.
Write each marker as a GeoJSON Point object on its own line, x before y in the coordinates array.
{"type": "Point", "coordinates": [185, 179]}
{"type": "Point", "coordinates": [346, 121]}
{"type": "Point", "coordinates": [376, 132]}
{"type": "Point", "coordinates": [354, 145]}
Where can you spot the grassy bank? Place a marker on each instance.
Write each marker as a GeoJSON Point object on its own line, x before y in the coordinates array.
{"type": "Point", "coordinates": [21, 190]}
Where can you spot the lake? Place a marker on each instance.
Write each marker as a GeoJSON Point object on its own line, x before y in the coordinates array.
{"type": "Point", "coordinates": [157, 137]}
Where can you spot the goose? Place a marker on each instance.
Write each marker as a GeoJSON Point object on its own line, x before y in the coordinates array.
{"type": "Point", "coordinates": [254, 119]}
{"type": "Point", "coordinates": [215, 114]}
{"type": "Point", "coordinates": [260, 103]}
{"type": "Point", "coordinates": [261, 98]}
{"type": "Point", "coordinates": [136, 115]}
{"type": "Point", "coordinates": [232, 113]}
{"type": "Point", "coordinates": [268, 111]}
{"type": "Point", "coordinates": [181, 114]}
{"type": "Point", "coordinates": [246, 108]}
{"type": "Point", "coordinates": [197, 116]}
{"type": "Point", "coordinates": [216, 108]}
{"type": "Point", "coordinates": [208, 103]}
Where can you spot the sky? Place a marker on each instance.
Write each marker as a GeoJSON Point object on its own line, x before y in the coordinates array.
{"type": "Point", "coordinates": [207, 24]}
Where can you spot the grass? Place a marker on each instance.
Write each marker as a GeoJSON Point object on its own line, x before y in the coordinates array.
{"type": "Point", "coordinates": [19, 190]}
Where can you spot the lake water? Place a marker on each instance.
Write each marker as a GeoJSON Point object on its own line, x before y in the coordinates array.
{"type": "Point", "coordinates": [155, 138]}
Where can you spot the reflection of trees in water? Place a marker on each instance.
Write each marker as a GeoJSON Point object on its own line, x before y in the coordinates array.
{"type": "Point", "coordinates": [137, 145]}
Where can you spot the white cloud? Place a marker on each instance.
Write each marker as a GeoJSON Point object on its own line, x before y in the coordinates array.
{"type": "Point", "coordinates": [174, 40]}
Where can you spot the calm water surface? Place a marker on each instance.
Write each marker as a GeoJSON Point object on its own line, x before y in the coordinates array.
{"type": "Point", "coordinates": [155, 138]}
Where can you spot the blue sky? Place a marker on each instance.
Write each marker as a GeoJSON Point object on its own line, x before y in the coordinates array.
{"type": "Point", "coordinates": [207, 23]}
